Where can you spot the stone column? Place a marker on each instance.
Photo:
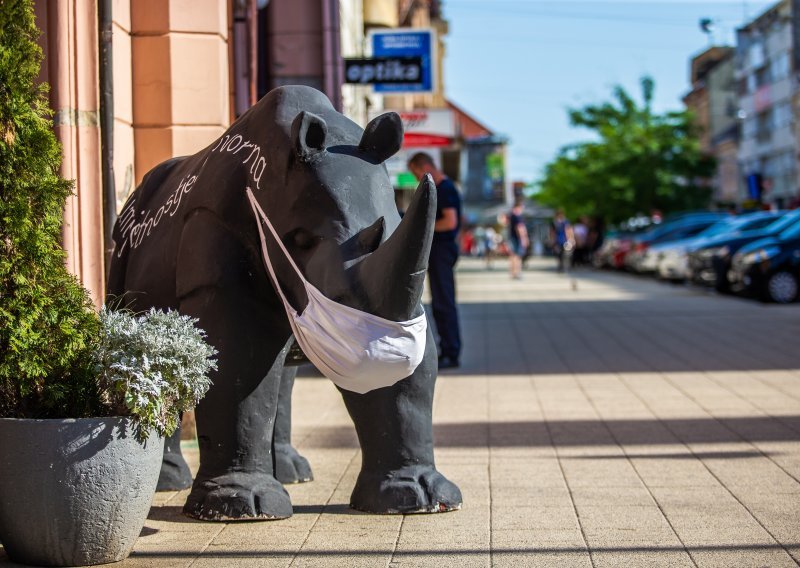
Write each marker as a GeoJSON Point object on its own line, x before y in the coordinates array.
{"type": "Point", "coordinates": [181, 99]}
{"type": "Point", "coordinates": [124, 171]}
{"type": "Point", "coordinates": [70, 46]}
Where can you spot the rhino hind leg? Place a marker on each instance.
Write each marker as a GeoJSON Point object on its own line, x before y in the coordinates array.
{"type": "Point", "coordinates": [395, 430]}
{"type": "Point", "coordinates": [290, 466]}
{"type": "Point", "coordinates": [175, 474]}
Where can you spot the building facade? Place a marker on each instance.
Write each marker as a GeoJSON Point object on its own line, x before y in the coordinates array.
{"type": "Point", "coordinates": [713, 102]}
{"type": "Point", "coordinates": [135, 82]}
{"type": "Point", "coordinates": [766, 73]}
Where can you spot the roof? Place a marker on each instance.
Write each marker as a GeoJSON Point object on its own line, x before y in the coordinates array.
{"type": "Point", "coordinates": [468, 125]}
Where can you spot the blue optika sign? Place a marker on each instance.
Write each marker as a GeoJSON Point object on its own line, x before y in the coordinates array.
{"type": "Point", "coordinates": [406, 43]}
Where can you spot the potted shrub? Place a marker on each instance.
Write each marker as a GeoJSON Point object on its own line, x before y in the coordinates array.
{"type": "Point", "coordinates": [76, 491]}
{"type": "Point", "coordinates": [85, 397]}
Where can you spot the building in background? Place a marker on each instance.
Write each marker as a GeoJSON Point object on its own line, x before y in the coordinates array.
{"type": "Point", "coordinates": [483, 159]}
{"type": "Point", "coordinates": [767, 64]}
{"type": "Point", "coordinates": [714, 104]}
{"type": "Point", "coordinates": [135, 82]}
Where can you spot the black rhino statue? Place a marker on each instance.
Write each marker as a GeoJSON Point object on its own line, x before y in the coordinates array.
{"type": "Point", "coordinates": [187, 239]}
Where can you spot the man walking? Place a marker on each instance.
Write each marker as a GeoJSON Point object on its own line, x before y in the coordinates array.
{"type": "Point", "coordinates": [517, 239]}
{"type": "Point", "coordinates": [444, 254]}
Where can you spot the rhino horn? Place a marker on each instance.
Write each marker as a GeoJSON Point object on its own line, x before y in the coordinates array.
{"type": "Point", "coordinates": [392, 278]}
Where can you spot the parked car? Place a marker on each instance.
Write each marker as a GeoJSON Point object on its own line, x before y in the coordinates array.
{"type": "Point", "coordinates": [685, 226]}
{"type": "Point", "coordinates": [769, 268]}
{"type": "Point", "coordinates": [672, 256]}
{"type": "Point", "coordinates": [709, 264]}
{"type": "Point", "coordinates": [610, 254]}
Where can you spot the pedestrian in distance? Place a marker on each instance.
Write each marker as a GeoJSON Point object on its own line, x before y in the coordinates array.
{"type": "Point", "coordinates": [443, 258]}
{"type": "Point", "coordinates": [517, 239]}
{"type": "Point", "coordinates": [491, 237]}
{"type": "Point", "coordinates": [562, 239]}
{"type": "Point", "coordinates": [581, 232]}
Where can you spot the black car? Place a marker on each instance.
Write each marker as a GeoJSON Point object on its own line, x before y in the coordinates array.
{"type": "Point", "coordinates": [709, 265]}
{"type": "Point", "coordinates": [769, 268]}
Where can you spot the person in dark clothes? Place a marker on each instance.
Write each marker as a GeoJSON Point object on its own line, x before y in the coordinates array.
{"type": "Point", "coordinates": [517, 239]}
{"type": "Point", "coordinates": [562, 239]}
{"type": "Point", "coordinates": [444, 254]}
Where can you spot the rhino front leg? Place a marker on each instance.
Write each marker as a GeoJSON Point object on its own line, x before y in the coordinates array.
{"type": "Point", "coordinates": [395, 430]}
{"type": "Point", "coordinates": [290, 466]}
{"type": "Point", "coordinates": [235, 420]}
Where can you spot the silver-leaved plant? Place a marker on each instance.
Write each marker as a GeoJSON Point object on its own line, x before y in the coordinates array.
{"type": "Point", "coordinates": [152, 367]}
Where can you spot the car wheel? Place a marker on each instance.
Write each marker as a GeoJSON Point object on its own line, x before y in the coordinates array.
{"type": "Point", "coordinates": [782, 287]}
{"type": "Point", "coordinates": [722, 285]}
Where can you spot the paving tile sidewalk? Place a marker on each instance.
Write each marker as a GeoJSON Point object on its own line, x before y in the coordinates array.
{"type": "Point", "coordinates": [597, 420]}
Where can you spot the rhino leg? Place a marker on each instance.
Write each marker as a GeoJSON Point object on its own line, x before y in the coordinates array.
{"type": "Point", "coordinates": [175, 474]}
{"type": "Point", "coordinates": [395, 430]}
{"type": "Point", "coordinates": [235, 420]}
{"type": "Point", "coordinates": [290, 466]}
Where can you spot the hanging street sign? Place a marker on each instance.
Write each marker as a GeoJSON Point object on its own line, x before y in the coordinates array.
{"type": "Point", "coordinates": [375, 70]}
{"type": "Point", "coordinates": [404, 43]}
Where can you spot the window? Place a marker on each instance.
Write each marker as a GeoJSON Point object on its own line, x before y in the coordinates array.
{"type": "Point", "coordinates": [764, 126]}
{"type": "Point", "coordinates": [779, 67]}
{"type": "Point", "coordinates": [782, 115]}
{"type": "Point", "coordinates": [749, 127]}
{"type": "Point", "coordinates": [741, 86]}
{"type": "Point", "coordinates": [755, 54]}
{"type": "Point", "coordinates": [763, 76]}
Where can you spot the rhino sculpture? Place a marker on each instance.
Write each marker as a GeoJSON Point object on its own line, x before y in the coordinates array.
{"type": "Point", "coordinates": [187, 239]}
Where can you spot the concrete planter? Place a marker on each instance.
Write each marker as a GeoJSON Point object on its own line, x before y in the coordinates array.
{"type": "Point", "coordinates": [74, 492]}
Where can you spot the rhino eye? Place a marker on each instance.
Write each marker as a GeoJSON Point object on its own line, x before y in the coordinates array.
{"type": "Point", "coordinates": [303, 239]}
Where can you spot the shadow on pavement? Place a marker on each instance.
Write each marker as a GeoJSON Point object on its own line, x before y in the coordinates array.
{"type": "Point", "coordinates": [444, 551]}
{"type": "Point", "coordinates": [570, 433]}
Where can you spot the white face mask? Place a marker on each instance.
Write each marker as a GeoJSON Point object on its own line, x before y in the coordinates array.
{"type": "Point", "coordinates": [356, 350]}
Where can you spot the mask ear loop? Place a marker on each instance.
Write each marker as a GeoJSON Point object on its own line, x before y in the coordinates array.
{"type": "Point", "coordinates": [262, 217]}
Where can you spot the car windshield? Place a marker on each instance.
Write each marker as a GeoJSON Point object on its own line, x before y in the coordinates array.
{"type": "Point", "coordinates": [723, 227]}
{"type": "Point", "coordinates": [792, 232]}
{"type": "Point", "coordinates": [784, 222]}
{"type": "Point", "coordinates": [681, 226]}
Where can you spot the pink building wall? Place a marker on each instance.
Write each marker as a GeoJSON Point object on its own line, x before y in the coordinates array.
{"type": "Point", "coordinates": [69, 42]}
{"type": "Point", "coordinates": [174, 87]}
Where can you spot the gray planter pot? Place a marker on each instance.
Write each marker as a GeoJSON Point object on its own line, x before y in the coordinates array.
{"type": "Point", "coordinates": [74, 492]}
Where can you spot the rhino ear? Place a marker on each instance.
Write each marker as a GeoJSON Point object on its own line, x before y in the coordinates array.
{"type": "Point", "coordinates": [382, 137]}
{"type": "Point", "coordinates": [308, 135]}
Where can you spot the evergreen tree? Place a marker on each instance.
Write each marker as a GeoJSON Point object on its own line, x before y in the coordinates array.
{"type": "Point", "coordinates": [640, 161]}
{"type": "Point", "coordinates": [47, 322]}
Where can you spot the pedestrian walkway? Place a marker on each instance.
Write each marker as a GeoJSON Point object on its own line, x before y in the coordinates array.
{"type": "Point", "coordinates": [598, 419]}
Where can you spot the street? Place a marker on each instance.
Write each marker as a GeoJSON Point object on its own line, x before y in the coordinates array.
{"type": "Point", "coordinates": [598, 419]}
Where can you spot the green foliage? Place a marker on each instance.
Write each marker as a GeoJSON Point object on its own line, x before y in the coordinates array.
{"type": "Point", "coordinates": [640, 161]}
{"type": "Point", "coordinates": [47, 324]}
{"type": "Point", "coordinates": [152, 367]}
{"type": "Point", "coordinates": [58, 359]}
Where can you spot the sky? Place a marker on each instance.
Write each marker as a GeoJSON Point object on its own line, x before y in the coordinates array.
{"type": "Point", "coordinates": [518, 65]}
